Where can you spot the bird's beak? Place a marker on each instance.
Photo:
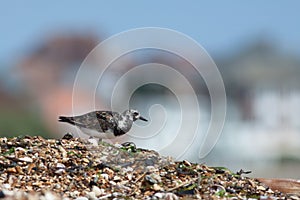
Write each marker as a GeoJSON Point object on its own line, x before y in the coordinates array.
{"type": "Point", "coordinates": [142, 118]}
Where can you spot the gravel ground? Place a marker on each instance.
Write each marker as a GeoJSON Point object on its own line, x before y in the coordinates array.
{"type": "Point", "coordinates": [73, 168]}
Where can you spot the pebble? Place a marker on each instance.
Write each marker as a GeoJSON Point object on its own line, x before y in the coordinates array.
{"type": "Point", "coordinates": [151, 169]}
{"type": "Point", "coordinates": [171, 196]}
{"type": "Point", "coordinates": [294, 197]}
{"type": "Point", "coordinates": [2, 195]}
{"type": "Point", "coordinates": [50, 196]}
{"type": "Point", "coordinates": [63, 151]}
{"type": "Point", "coordinates": [109, 172]}
{"type": "Point", "coordinates": [186, 163]}
{"type": "Point", "coordinates": [97, 191]}
{"type": "Point", "coordinates": [20, 150]}
{"type": "Point", "coordinates": [61, 168]}
{"type": "Point", "coordinates": [117, 178]}
{"type": "Point", "coordinates": [167, 196]}
{"type": "Point", "coordinates": [68, 136]}
{"type": "Point", "coordinates": [81, 198]}
{"type": "Point", "coordinates": [112, 183]}
{"type": "Point", "coordinates": [129, 177]}
{"type": "Point", "coordinates": [150, 179]}
{"type": "Point", "coordinates": [11, 170]}
{"type": "Point", "coordinates": [6, 186]}
{"type": "Point", "coordinates": [261, 188]}
{"type": "Point", "coordinates": [26, 159]}
{"type": "Point", "coordinates": [19, 170]}
{"type": "Point", "coordinates": [105, 176]}
{"type": "Point", "coordinates": [93, 141]}
{"type": "Point", "coordinates": [3, 140]}
{"type": "Point", "coordinates": [153, 178]}
{"type": "Point", "coordinates": [91, 196]}
{"type": "Point", "coordinates": [74, 194]}
{"type": "Point", "coordinates": [156, 187]}
{"type": "Point", "coordinates": [159, 195]}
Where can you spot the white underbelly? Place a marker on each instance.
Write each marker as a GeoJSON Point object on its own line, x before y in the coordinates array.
{"type": "Point", "coordinates": [96, 134]}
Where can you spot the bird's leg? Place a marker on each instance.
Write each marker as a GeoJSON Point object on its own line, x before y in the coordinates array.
{"type": "Point", "coordinates": [99, 141]}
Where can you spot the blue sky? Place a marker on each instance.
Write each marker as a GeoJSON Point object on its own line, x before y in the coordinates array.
{"type": "Point", "coordinates": [219, 26]}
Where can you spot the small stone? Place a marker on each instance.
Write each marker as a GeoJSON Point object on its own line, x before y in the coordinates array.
{"type": "Point", "coordinates": [187, 163]}
{"type": "Point", "coordinates": [63, 151]}
{"type": "Point", "coordinates": [49, 196]}
{"type": "Point", "coordinates": [11, 170]}
{"type": "Point", "coordinates": [129, 177]}
{"type": "Point", "coordinates": [159, 195]}
{"type": "Point", "coordinates": [93, 141]}
{"type": "Point", "coordinates": [117, 178]}
{"type": "Point", "coordinates": [91, 196]}
{"type": "Point", "coordinates": [151, 169]}
{"type": "Point", "coordinates": [117, 194]}
{"type": "Point", "coordinates": [113, 183]}
{"type": "Point", "coordinates": [2, 195]}
{"type": "Point", "coordinates": [60, 168]}
{"type": "Point", "coordinates": [109, 172]}
{"type": "Point", "coordinates": [60, 165]}
{"type": "Point", "coordinates": [30, 167]}
{"type": "Point", "coordinates": [105, 176]}
{"type": "Point", "coordinates": [294, 197]}
{"type": "Point", "coordinates": [26, 159]}
{"type": "Point", "coordinates": [261, 188]}
{"type": "Point", "coordinates": [121, 185]}
{"type": "Point", "coordinates": [156, 187]}
{"type": "Point", "coordinates": [3, 140]}
{"type": "Point", "coordinates": [65, 160]}
{"type": "Point", "coordinates": [156, 177]}
{"type": "Point", "coordinates": [32, 196]}
{"type": "Point", "coordinates": [97, 191]}
{"type": "Point", "coordinates": [68, 136]}
{"type": "Point", "coordinates": [81, 198]}
{"type": "Point", "coordinates": [153, 178]}
{"type": "Point", "coordinates": [150, 179]}
{"type": "Point", "coordinates": [19, 170]}
{"type": "Point", "coordinates": [28, 187]}
{"type": "Point", "coordinates": [57, 186]}
{"type": "Point", "coordinates": [12, 180]}
{"type": "Point", "coordinates": [75, 193]}
{"type": "Point", "coordinates": [6, 186]}
{"type": "Point", "coordinates": [19, 151]}
{"type": "Point", "coordinates": [171, 196]}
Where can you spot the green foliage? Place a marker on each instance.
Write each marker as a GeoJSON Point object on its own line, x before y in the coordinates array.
{"type": "Point", "coordinates": [10, 151]}
{"type": "Point", "coordinates": [19, 122]}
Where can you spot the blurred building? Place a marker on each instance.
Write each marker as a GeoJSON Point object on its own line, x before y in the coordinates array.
{"type": "Point", "coordinates": [263, 104]}
{"type": "Point", "coordinates": [48, 70]}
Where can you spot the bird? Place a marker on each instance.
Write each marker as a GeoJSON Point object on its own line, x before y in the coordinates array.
{"type": "Point", "coordinates": [104, 124]}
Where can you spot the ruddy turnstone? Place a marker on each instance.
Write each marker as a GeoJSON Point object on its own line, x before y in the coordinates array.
{"type": "Point", "coordinates": [104, 124]}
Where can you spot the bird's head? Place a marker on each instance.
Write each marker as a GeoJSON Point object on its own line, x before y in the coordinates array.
{"type": "Point", "coordinates": [134, 115]}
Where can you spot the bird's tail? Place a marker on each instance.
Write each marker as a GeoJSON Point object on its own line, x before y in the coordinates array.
{"type": "Point", "coordinates": [66, 119]}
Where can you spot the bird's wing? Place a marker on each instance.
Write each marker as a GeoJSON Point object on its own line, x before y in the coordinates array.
{"type": "Point", "coordinates": [105, 115]}
{"type": "Point", "coordinates": [88, 120]}
{"type": "Point", "coordinates": [98, 120]}
{"type": "Point", "coordinates": [107, 119]}
{"type": "Point", "coordinates": [70, 120]}
{"type": "Point", "coordinates": [111, 119]}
